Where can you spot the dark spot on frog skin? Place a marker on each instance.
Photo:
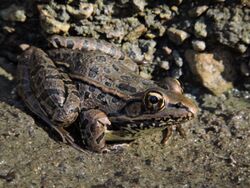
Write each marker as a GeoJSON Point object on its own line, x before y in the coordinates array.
{"type": "Point", "coordinates": [100, 96]}
{"type": "Point", "coordinates": [93, 72]}
{"type": "Point", "coordinates": [112, 51]}
{"type": "Point", "coordinates": [126, 87]}
{"type": "Point", "coordinates": [85, 44]}
{"type": "Point", "coordinates": [91, 88]}
{"type": "Point", "coordinates": [125, 78]}
{"type": "Point", "coordinates": [108, 84]}
{"type": "Point", "coordinates": [70, 44]}
{"type": "Point", "coordinates": [86, 95]}
{"type": "Point", "coordinates": [115, 67]}
{"type": "Point", "coordinates": [107, 70]}
{"type": "Point", "coordinates": [115, 100]}
{"type": "Point", "coordinates": [57, 41]}
{"type": "Point", "coordinates": [101, 58]}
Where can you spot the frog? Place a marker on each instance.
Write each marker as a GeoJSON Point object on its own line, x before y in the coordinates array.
{"type": "Point", "coordinates": [93, 84]}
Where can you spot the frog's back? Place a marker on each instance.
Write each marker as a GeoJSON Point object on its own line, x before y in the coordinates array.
{"type": "Point", "coordinates": [102, 69]}
{"type": "Point", "coordinates": [102, 80]}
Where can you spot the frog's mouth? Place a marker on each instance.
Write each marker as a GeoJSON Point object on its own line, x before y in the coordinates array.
{"type": "Point", "coordinates": [160, 119]}
{"type": "Point", "coordinates": [127, 129]}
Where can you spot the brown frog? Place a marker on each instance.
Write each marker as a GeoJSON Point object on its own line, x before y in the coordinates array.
{"type": "Point", "coordinates": [92, 80]}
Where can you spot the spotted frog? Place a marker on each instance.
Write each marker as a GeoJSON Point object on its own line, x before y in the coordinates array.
{"type": "Point", "coordinates": [91, 82]}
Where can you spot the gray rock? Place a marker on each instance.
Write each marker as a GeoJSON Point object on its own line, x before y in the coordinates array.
{"type": "Point", "coordinates": [177, 36]}
{"type": "Point", "coordinates": [231, 26]}
{"type": "Point", "coordinates": [177, 58]}
{"type": "Point", "coordinates": [198, 45]}
{"type": "Point", "coordinates": [139, 4]}
{"type": "Point", "coordinates": [13, 13]}
{"type": "Point", "coordinates": [200, 28]}
{"type": "Point", "coordinates": [197, 11]}
{"type": "Point", "coordinates": [164, 65]}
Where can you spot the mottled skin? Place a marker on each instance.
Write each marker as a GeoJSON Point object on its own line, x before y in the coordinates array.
{"type": "Point", "coordinates": [95, 83]}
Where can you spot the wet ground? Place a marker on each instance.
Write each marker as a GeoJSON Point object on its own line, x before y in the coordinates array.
{"type": "Point", "coordinates": [215, 153]}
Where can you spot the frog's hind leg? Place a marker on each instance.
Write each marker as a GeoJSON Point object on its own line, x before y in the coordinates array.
{"type": "Point", "coordinates": [86, 44]}
{"type": "Point", "coordinates": [26, 93]}
{"type": "Point", "coordinates": [90, 44]}
{"type": "Point", "coordinates": [93, 125]}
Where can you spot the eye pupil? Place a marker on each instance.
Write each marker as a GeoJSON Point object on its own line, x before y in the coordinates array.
{"type": "Point", "coordinates": [153, 99]}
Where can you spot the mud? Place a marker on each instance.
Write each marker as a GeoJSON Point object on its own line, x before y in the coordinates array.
{"type": "Point", "coordinates": [215, 152]}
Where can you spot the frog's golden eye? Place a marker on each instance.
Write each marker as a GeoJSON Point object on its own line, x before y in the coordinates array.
{"type": "Point", "coordinates": [154, 101]}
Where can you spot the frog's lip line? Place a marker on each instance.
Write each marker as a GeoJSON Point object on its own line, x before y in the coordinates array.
{"type": "Point", "coordinates": [145, 118]}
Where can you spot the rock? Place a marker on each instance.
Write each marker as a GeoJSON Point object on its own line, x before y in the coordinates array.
{"type": "Point", "coordinates": [177, 58]}
{"type": "Point", "coordinates": [164, 65]}
{"type": "Point", "coordinates": [242, 48]}
{"type": "Point", "coordinates": [200, 29]}
{"type": "Point", "coordinates": [85, 10]}
{"type": "Point", "coordinates": [165, 13]}
{"type": "Point", "coordinates": [245, 3]}
{"type": "Point", "coordinates": [167, 50]}
{"type": "Point", "coordinates": [13, 13]}
{"type": "Point", "coordinates": [230, 26]}
{"type": "Point", "coordinates": [198, 45]}
{"type": "Point", "coordinates": [135, 33]}
{"type": "Point", "coordinates": [139, 4]}
{"type": "Point", "coordinates": [197, 11]}
{"type": "Point", "coordinates": [214, 70]}
{"type": "Point", "coordinates": [177, 36]}
{"type": "Point", "coordinates": [176, 73]}
{"type": "Point", "coordinates": [50, 24]}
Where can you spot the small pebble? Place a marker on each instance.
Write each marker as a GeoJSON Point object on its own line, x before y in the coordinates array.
{"type": "Point", "coordinates": [200, 29]}
{"type": "Point", "coordinates": [242, 48]}
{"type": "Point", "coordinates": [198, 45]}
{"type": "Point", "coordinates": [164, 65]}
{"type": "Point", "coordinates": [197, 11]}
{"type": "Point", "coordinates": [177, 36]}
{"type": "Point", "coordinates": [139, 4]}
{"type": "Point", "coordinates": [167, 50]}
{"type": "Point", "coordinates": [176, 73]}
{"type": "Point", "coordinates": [177, 58]}
{"type": "Point", "coordinates": [13, 13]}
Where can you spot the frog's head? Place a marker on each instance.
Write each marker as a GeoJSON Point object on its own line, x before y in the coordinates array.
{"type": "Point", "coordinates": [156, 107]}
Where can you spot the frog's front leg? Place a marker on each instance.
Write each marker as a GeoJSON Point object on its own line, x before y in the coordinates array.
{"type": "Point", "coordinates": [93, 124]}
{"type": "Point", "coordinates": [167, 133]}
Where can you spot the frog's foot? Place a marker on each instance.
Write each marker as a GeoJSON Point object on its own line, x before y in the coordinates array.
{"type": "Point", "coordinates": [66, 138]}
{"type": "Point", "coordinates": [93, 126]}
{"type": "Point", "coordinates": [166, 134]}
{"type": "Point", "coordinates": [181, 131]}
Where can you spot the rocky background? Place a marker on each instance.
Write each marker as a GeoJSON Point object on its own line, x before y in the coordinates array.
{"type": "Point", "coordinates": [205, 44]}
